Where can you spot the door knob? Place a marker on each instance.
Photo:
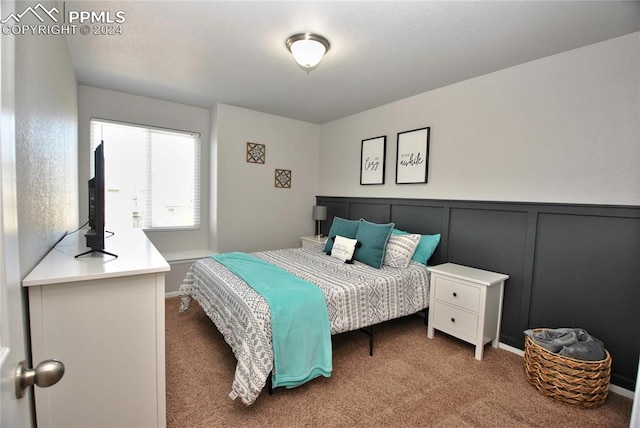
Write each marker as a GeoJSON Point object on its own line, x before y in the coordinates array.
{"type": "Point", "coordinates": [47, 373]}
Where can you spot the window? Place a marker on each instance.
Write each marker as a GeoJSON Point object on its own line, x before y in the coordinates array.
{"type": "Point", "coordinates": [152, 175]}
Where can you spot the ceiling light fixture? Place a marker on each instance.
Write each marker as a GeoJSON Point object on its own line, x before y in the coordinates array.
{"type": "Point", "coordinates": [307, 49]}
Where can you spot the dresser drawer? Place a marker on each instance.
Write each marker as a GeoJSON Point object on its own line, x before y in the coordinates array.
{"type": "Point", "coordinates": [455, 320]}
{"type": "Point", "coordinates": [457, 293]}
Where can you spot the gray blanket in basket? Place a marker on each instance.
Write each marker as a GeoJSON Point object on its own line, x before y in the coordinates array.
{"type": "Point", "coordinates": [569, 342]}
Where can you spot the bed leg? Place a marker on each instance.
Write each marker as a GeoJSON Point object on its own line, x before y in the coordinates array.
{"type": "Point", "coordinates": [369, 331]}
{"type": "Point", "coordinates": [426, 316]}
{"type": "Point", "coordinates": [270, 383]}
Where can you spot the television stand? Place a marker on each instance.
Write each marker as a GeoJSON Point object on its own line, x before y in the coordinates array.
{"type": "Point", "coordinates": [96, 251]}
{"type": "Point", "coordinates": [96, 245]}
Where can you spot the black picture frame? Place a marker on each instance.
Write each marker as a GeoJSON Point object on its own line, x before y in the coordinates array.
{"type": "Point", "coordinates": [412, 158]}
{"type": "Point", "coordinates": [372, 160]}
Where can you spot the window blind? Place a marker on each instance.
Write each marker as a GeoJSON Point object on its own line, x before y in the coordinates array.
{"type": "Point", "coordinates": [152, 174]}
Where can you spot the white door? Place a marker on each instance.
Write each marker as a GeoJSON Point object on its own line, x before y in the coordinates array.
{"type": "Point", "coordinates": [14, 412]}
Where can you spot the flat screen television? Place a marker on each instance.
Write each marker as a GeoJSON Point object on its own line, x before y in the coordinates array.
{"type": "Point", "coordinates": [95, 234]}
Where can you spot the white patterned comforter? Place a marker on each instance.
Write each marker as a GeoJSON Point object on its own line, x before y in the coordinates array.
{"type": "Point", "coordinates": [357, 296]}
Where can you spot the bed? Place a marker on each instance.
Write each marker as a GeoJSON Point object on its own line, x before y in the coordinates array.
{"type": "Point", "coordinates": [357, 295]}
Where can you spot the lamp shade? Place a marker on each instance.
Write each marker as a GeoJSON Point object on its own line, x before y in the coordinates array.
{"type": "Point", "coordinates": [319, 212]}
{"type": "Point", "coordinates": [307, 49]}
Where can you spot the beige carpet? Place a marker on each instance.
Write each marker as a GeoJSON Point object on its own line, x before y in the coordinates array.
{"type": "Point", "coordinates": [410, 381]}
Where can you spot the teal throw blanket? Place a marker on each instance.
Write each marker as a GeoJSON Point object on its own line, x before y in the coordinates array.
{"type": "Point", "coordinates": [301, 333]}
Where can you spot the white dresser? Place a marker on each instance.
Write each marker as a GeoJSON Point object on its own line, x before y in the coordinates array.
{"type": "Point", "coordinates": [103, 317]}
{"type": "Point", "coordinates": [466, 302]}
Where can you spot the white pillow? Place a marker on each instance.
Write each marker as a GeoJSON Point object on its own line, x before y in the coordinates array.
{"type": "Point", "coordinates": [400, 249]}
{"type": "Point", "coordinates": [343, 248]}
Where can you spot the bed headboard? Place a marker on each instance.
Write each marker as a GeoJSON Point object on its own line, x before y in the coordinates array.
{"type": "Point", "coordinates": [569, 265]}
{"type": "Point", "coordinates": [426, 220]}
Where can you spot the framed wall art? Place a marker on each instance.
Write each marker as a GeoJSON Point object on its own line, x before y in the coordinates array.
{"type": "Point", "coordinates": [412, 163]}
{"type": "Point", "coordinates": [372, 156]}
{"type": "Point", "coordinates": [283, 178]}
{"type": "Point", "coordinates": [256, 152]}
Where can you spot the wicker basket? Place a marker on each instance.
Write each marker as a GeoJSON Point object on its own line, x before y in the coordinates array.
{"type": "Point", "coordinates": [576, 382]}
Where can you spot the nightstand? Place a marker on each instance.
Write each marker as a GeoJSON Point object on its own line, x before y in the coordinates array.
{"type": "Point", "coordinates": [466, 302]}
{"type": "Point", "coordinates": [312, 241]}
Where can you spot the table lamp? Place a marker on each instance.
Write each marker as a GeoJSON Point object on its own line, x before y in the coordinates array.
{"type": "Point", "coordinates": [319, 213]}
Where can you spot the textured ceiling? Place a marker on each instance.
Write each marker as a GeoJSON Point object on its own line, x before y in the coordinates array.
{"type": "Point", "coordinates": [204, 52]}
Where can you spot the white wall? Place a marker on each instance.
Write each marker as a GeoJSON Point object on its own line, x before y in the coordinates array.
{"type": "Point", "coordinates": [213, 181]}
{"type": "Point", "coordinates": [252, 214]}
{"type": "Point", "coordinates": [560, 129]}
{"type": "Point", "coordinates": [113, 105]}
{"type": "Point", "coordinates": [46, 145]}
{"type": "Point", "coordinates": [565, 128]}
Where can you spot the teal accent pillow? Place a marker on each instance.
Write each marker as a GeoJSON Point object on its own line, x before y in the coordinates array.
{"type": "Point", "coordinates": [342, 227]}
{"type": "Point", "coordinates": [426, 247]}
{"type": "Point", "coordinates": [373, 238]}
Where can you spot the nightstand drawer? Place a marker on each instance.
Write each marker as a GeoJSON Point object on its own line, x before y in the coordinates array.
{"type": "Point", "coordinates": [447, 318]}
{"type": "Point", "coordinates": [458, 294]}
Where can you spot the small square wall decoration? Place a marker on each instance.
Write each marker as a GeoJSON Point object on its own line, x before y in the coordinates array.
{"type": "Point", "coordinates": [256, 152]}
{"type": "Point", "coordinates": [283, 178]}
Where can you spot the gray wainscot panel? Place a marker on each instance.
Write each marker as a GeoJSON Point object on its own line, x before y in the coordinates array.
{"type": "Point", "coordinates": [569, 265]}
{"type": "Point", "coordinates": [494, 240]}
{"type": "Point", "coordinates": [586, 275]}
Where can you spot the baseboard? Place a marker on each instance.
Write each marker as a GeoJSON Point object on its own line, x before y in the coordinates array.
{"type": "Point", "coordinates": [620, 391]}
{"type": "Point", "coordinates": [511, 349]}
{"type": "Point", "coordinates": [613, 388]}
{"type": "Point", "coordinates": [171, 294]}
